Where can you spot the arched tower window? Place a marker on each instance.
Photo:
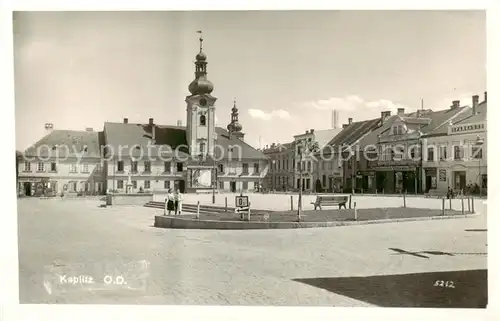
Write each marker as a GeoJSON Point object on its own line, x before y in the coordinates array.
{"type": "Point", "coordinates": [203, 120]}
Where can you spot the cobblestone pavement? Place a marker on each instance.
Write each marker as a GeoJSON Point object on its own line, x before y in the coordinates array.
{"type": "Point", "coordinates": [212, 267]}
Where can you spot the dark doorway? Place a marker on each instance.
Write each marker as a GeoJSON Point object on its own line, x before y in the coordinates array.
{"type": "Point", "coordinates": [409, 182]}
{"type": "Point", "coordinates": [27, 189]}
{"type": "Point", "coordinates": [380, 181]}
{"type": "Point", "coordinates": [428, 183]}
{"type": "Point", "coordinates": [232, 187]}
{"type": "Point", "coordinates": [182, 185]}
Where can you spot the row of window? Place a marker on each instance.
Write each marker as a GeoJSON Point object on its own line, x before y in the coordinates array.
{"type": "Point", "coordinates": [147, 166]}
{"type": "Point", "coordinates": [220, 168]}
{"type": "Point", "coordinates": [280, 181]}
{"type": "Point", "coordinates": [41, 167]}
{"type": "Point", "coordinates": [283, 164]}
{"type": "Point", "coordinates": [458, 153]}
{"type": "Point", "coordinates": [84, 187]}
{"type": "Point", "coordinates": [167, 184]}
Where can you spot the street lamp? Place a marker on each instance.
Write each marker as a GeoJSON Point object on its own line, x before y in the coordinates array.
{"type": "Point", "coordinates": [480, 142]}
{"type": "Point", "coordinates": [274, 175]}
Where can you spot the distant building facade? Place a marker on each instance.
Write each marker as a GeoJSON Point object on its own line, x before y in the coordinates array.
{"type": "Point", "coordinates": [455, 155]}
{"type": "Point", "coordinates": [311, 165]}
{"type": "Point", "coordinates": [64, 161]}
{"type": "Point", "coordinates": [281, 158]}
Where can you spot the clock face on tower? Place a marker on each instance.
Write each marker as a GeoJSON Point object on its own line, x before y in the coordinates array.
{"type": "Point", "coordinates": [203, 102]}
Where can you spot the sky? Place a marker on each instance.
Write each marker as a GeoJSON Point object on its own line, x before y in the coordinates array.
{"type": "Point", "coordinates": [287, 70]}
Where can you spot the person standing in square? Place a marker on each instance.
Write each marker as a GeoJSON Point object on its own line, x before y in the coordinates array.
{"type": "Point", "coordinates": [178, 202]}
{"type": "Point", "coordinates": [170, 201]}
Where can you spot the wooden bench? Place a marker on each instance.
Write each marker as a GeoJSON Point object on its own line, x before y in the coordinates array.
{"type": "Point", "coordinates": [330, 200]}
{"type": "Point", "coordinates": [436, 193]}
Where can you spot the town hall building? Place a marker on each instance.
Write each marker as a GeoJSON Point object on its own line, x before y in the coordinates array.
{"type": "Point", "coordinates": [149, 157]}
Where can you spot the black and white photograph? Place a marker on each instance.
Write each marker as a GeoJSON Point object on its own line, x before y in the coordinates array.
{"type": "Point", "coordinates": [318, 158]}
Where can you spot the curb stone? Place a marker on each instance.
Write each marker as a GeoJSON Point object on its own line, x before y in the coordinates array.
{"type": "Point", "coordinates": [188, 223]}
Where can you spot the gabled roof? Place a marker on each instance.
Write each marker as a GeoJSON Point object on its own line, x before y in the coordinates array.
{"type": "Point", "coordinates": [353, 132]}
{"type": "Point", "coordinates": [67, 143]}
{"type": "Point", "coordinates": [123, 139]}
{"type": "Point", "coordinates": [224, 142]}
{"type": "Point", "coordinates": [372, 137]}
{"type": "Point", "coordinates": [167, 139]}
{"type": "Point", "coordinates": [323, 137]}
{"type": "Point", "coordinates": [440, 118]}
{"type": "Point", "coordinates": [469, 118]}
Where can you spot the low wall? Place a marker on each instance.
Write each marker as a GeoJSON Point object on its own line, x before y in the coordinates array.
{"type": "Point", "coordinates": [128, 199]}
{"type": "Point", "coordinates": [276, 202]}
{"type": "Point", "coordinates": [196, 224]}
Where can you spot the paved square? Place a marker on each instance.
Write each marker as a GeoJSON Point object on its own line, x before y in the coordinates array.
{"type": "Point", "coordinates": [259, 267]}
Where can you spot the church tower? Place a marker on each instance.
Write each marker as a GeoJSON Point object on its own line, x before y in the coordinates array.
{"type": "Point", "coordinates": [200, 127]}
{"type": "Point", "coordinates": [234, 127]}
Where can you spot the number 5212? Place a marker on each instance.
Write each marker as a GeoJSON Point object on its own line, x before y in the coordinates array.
{"type": "Point", "coordinates": [445, 284]}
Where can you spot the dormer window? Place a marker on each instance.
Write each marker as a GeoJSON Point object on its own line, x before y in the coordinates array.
{"type": "Point", "coordinates": [397, 129]}
{"type": "Point", "coordinates": [203, 120]}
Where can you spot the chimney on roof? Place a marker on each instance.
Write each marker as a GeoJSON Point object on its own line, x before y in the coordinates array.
{"type": "Point", "coordinates": [475, 102]}
{"type": "Point", "coordinates": [485, 96]}
{"type": "Point", "coordinates": [179, 123]}
{"type": "Point", "coordinates": [455, 104]}
{"type": "Point", "coordinates": [125, 120]}
{"type": "Point", "coordinates": [89, 129]}
{"type": "Point", "coordinates": [344, 125]}
{"type": "Point", "coordinates": [153, 131]}
{"type": "Point", "coordinates": [49, 127]}
{"type": "Point", "coordinates": [384, 115]}
{"type": "Point", "coordinates": [401, 111]}
{"type": "Point", "coordinates": [307, 132]}
{"type": "Point", "coordinates": [349, 120]}
{"type": "Point", "coordinates": [312, 131]}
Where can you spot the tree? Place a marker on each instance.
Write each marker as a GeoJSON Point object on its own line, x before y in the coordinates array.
{"type": "Point", "coordinates": [304, 150]}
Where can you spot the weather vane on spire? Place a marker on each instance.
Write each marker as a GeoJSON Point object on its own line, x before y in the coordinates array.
{"type": "Point", "coordinates": [201, 39]}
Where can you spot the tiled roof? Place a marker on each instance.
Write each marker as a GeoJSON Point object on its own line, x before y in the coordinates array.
{"type": "Point", "coordinates": [131, 135]}
{"type": "Point", "coordinates": [323, 137]}
{"type": "Point", "coordinates": [354, 132]}
{"type": "Point", "coordinates": [372, 137]}
{"type": "Point", "coordinates": [278, 148]}
{"type": "Point", "coordinates": [68, 143]}
{"type": "Point", "coordinates": [440, 119]}
{"type": "Point", "coordinates": [469, 118]}
{"type": "Point", "coordinates": [247, 151]}
{"type": "Point", "coordinates": [126, 137]}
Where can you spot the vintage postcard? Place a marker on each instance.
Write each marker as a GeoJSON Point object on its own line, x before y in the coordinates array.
{"type": "Point", "coordinates": [330, 158]}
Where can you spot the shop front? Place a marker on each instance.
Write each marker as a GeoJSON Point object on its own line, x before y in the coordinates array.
{"type": "Point", "coordinates": [397, 179]}
{"type": "Point", "coordinates": [366, 181]}
{"type": "Point", "coordinates": [36, 187]}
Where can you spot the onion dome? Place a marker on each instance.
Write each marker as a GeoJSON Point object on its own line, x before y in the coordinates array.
{"type": "Point", "coordinates": [234, 126]}
{"type": "Point", "coordinates": [201, 85]}
{"type": "Point", "coordinates": [201, 56]}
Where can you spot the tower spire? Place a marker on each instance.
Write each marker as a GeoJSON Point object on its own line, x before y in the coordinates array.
{"type": "Point", "coordinates": [200, 85]}
{"type": "Point", "coordinates": [234, 125]}
{"type": "Point", "coordinates": [201, 39]}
